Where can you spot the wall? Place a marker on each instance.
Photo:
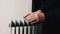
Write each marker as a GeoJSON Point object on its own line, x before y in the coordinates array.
{"type": "Point", "coordinates": [11, 10]}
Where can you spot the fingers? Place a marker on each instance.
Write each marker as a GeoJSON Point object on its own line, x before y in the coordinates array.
{"type": "Point", "coordinates": [34, 21]}
{"type": "Point", "coordinates": [26, 15]}
{"type": "Point", "coordinates": [29, 17]}
{"type": "Point", "coordinates": [32, 18]}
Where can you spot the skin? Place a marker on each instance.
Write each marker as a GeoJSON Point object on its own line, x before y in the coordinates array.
{"type": "Point", "coordinates": [35, 17]}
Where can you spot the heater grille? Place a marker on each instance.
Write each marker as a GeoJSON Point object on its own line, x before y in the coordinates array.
{"type": "Point", "coordinates": [22, 27]}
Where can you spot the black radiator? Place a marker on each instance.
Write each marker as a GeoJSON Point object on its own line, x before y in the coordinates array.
{"type": "Point", "coordinates": [22, 27]}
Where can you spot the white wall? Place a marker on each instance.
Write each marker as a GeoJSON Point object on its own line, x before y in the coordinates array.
{"type": "Point", "coordinates": [11, 10]}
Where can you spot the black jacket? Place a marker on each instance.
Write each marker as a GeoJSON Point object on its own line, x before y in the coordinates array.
{"type": "Point", "coordinates": [51, 9]}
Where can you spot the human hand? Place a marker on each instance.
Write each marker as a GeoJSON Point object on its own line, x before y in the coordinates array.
{"type": "Point", "coordinates": [35, 17]}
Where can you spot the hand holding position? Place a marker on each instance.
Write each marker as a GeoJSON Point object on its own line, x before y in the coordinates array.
{"type": "Point", "coordinates": [35, 17]}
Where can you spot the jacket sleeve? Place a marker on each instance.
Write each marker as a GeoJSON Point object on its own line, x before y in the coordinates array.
{"type": "Point", "coordinates": [52, 15]}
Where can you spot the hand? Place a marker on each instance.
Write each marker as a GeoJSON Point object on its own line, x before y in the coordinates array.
{"type": "Point", "coordinates": [35, 17]}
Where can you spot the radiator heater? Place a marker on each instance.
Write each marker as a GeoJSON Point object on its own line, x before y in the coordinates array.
{"type": "Point", "coordinates": [19, 27]}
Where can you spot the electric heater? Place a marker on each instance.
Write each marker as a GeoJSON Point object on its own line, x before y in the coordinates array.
{"type": "Point", "coordinates": [19, 27]}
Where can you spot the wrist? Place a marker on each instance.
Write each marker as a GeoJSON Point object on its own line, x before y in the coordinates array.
{"type": "Point", "coordinates": [41, 15]}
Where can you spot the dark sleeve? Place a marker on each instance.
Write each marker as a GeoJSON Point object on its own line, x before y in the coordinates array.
{"type": "Point", "coordinates": [52, 15]}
